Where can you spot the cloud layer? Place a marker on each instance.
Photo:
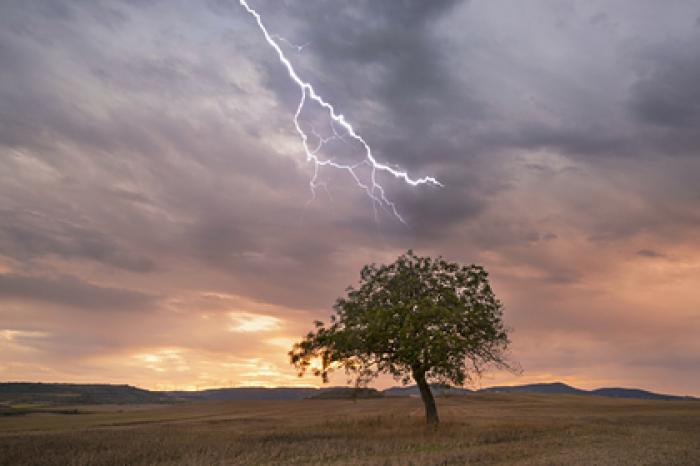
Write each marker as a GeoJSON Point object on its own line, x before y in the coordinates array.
{"type": "Point", "coordinates": [156, 228]}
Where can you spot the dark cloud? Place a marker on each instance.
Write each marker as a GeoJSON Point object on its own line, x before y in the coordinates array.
{"type": "Point", "coordinates": [668, 92]}
{"type": "Point", "coordinates": [72, 292]}
{"type": "Point", "coordinates": [150, 146]}
{"type": "Point", "coordinates": [28, 235]}
{"type": "Point", "coordinates": [665, 98]}
{"type": "Point", "coordinates": [649, 253]}
{"type": "Point", "coordinates": [575, 141]}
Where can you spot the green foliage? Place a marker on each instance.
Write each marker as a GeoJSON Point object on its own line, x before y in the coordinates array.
{"type": "Point", "coordinates": [418, 317]}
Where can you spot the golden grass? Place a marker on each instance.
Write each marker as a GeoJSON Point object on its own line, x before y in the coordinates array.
{"type": "Point", "coordinates": [515, 429]}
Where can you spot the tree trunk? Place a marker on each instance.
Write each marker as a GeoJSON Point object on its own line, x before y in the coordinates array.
{"type": "Point", "coordinates": [431, 414]}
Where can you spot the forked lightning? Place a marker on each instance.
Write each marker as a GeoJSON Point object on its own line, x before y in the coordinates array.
{"type": "Point", "coordinates": [373, 189]}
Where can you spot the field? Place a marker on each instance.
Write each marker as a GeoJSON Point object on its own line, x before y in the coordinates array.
{"type": "Point", "coordinates": [517, 429]}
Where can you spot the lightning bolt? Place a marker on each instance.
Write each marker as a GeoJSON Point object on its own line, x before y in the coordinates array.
{"type": "Point", "coordinates": [374, 189]}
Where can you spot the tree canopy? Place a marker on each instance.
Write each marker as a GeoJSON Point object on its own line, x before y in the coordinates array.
{"type": "Point", "coordinates": [418, 317]}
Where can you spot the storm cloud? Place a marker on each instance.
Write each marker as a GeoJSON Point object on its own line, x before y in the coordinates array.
{"type": "Point", "coordinates": [148, 164]}
{"type": "Point", "coordinates": [71, 292]}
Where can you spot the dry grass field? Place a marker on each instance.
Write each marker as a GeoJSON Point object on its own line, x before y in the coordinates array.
{"type": "Point", "coordinates": [514, 429]}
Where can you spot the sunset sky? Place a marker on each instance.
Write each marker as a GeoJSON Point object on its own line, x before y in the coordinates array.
{"type": "Point", "coordinates": [157, 226]}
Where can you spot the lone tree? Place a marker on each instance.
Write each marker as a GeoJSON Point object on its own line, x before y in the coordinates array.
{"type": "Point", "coordinates": [429, 319]}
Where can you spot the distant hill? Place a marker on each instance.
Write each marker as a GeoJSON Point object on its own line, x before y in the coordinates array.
{"type": "Point", "coordinates": [562, 388]}
{"type": "Point", "coordinates": [278, 393]}
{"type": "Point", "coordinates": [637, 393]}
{"type": "Point", "coordinates": [554, 387]}
{"type": "Point", "coordinates": [348, 393]}
{"type": "Point", "coordinates": [246, 393]}
{"type": "Point", "coordinates": [65, 393]}
{"type": "Point", "coordinates": [73, 394]}
{"type": "Point", "coordinates": [437, 389]}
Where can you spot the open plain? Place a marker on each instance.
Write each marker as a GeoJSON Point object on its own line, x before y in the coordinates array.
{"type": "Point", "coordinates": [514, 429]}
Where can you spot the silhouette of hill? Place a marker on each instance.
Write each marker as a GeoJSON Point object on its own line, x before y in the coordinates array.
{"type": "Point", "coordinates": [72, 394]}
{"type": "Point", "coordinates": [349, 393]}
{"type": "Point", "coordinates": [246, 393]}
{"type": "Point", "coordinates": [277, 393]}
{"type": "Point", "coordinates": [66, 393]}
{"type": "Point", "coordinates": [554, 387]}
{"type": "Point", "coordinates": [637, 393]}
{"type": "Point", "coordinates": [562, 388]}
{"type": "Point", "coordinates": [437, 389]}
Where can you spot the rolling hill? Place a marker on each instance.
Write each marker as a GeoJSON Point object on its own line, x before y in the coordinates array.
{"type": "Point", "coordinates": [562, 388]}
{"type": "Point", "coordinates": [347, 393]}
{"type": "Point", "coordinates": [66, 393]}
{"type": "Point", "coordinates": [549, 388]}
{"type": "Point", "coordinates": [13, 393]}
{"type": "Point", "coordinates": [246, 393]}
{"type": "Point", "coordinates": [637, 393]}
{"type": "Point", "coordinates": [437, 389]}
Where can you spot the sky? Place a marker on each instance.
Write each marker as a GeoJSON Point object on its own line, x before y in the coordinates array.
{"type": "Point", "coordinates": [157, 227]}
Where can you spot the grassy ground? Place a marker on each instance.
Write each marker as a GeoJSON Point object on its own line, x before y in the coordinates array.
{"type": "Point", "coordinates": [517, 429]}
